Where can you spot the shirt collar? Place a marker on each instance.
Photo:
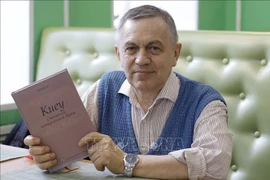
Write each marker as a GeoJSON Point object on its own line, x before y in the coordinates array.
{"type": "Point", "coordinates": [169, 91]}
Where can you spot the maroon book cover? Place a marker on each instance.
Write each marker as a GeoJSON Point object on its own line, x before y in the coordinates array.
{"type": "Point", "coordinates": [52, 110]}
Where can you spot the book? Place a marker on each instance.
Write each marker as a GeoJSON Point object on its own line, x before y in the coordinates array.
{"type": "Point", "coordinates": [53, 110]}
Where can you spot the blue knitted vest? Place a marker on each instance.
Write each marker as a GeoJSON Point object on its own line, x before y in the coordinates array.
{"type": "Point", "coordinates": [115, 114]}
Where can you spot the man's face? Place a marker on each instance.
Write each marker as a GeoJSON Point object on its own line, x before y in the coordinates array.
{"type": "Point", "coordinates": [146, 53]}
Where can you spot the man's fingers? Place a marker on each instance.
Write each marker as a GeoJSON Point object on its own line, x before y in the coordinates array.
{"type": "Point", "coordinates": [44, 158]}
{"type": "Point", "coordinates": [39, 150]}
{"type": "Point", "coordinates": [91, 137]}
{"type": "Point", "coordinates": [93, 149]}
{"type": "Point", "coordinates": [31, 141]}
{"type": "Point", "coordinates": [99, 164]}
{"type": "Point", "coordinates": [46, 165]}
{"type": "Point", "coordinates": [94, 157]}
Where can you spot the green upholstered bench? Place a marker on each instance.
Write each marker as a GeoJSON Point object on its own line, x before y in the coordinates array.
{"type": "Point", "coordinates": [235, 63]}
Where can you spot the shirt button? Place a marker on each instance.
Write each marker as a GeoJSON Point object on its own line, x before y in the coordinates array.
{"type": "Point", "coordinates": [143, 149]}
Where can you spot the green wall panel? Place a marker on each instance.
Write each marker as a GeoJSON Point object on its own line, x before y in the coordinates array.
{"type": "Point", "coordinates": [46, 14]}
{"type": "Point", "coordinates": [230, 15]}
{"type": "Point", "coordinates": [221, 15]}
{"type": "Point", "coordinates": [216, 15]}
{"type": "Point", "coordinates": [90, 13]}
{"type": "Point", "coordinates": [9, 117]}
{"type": "Point", "coordinates": [255, 15]}
{"type": "Point", "coordinates": [211, 15]}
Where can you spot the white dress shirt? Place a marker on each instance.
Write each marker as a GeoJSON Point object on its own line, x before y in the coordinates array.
{"type": "Point", "coordinates": [210, 154]}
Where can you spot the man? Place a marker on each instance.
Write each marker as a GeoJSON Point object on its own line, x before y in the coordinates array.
{"type": "Point", "coordinates": [176, 125]}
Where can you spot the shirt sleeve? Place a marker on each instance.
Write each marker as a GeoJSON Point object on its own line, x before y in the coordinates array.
{"type": "Point", "coordinates": [210, 154]}
{"type": "Point", "coordinates": [90, 101]}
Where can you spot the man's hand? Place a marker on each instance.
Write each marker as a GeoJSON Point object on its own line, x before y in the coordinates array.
{"type": "Point", "coordinates": [104, 152]}
{"type": "Point", "coordinates": [43, 158]}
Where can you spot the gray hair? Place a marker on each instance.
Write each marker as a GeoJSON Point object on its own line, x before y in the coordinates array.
{"type": "Point", "coordinates": [149, 11]}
